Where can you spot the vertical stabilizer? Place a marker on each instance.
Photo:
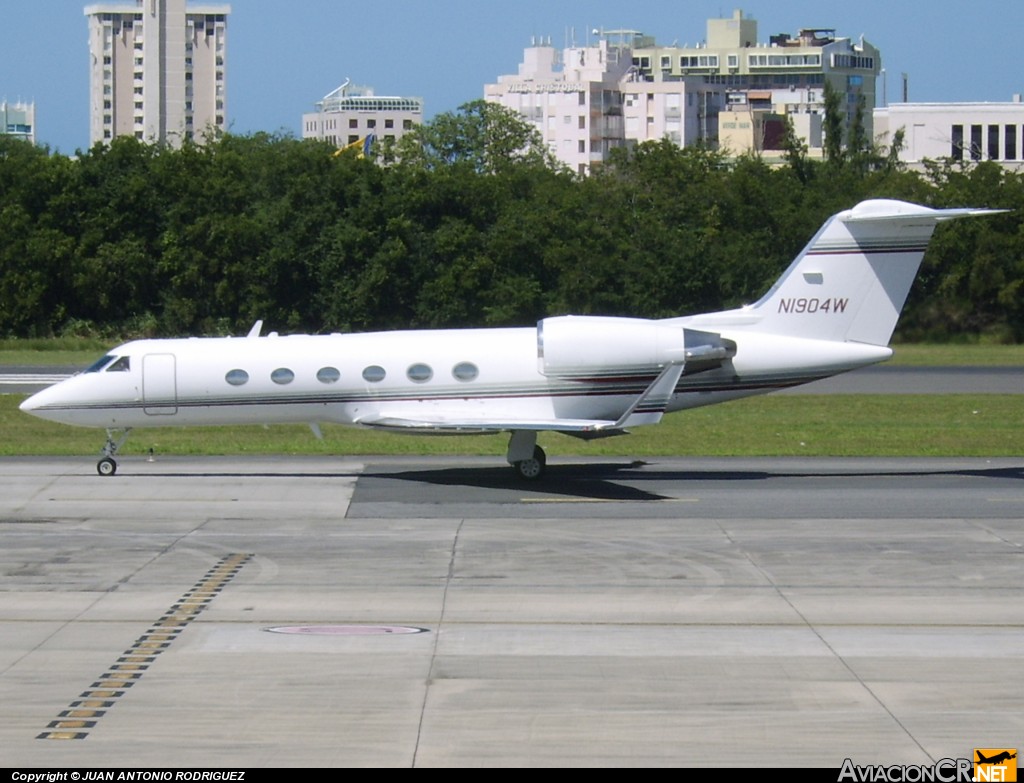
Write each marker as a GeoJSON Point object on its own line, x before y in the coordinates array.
{"type": "Point", "coordinates": [850, 282]}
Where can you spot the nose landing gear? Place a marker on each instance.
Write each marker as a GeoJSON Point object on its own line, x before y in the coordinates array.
{"type": "Point", "coordinates": [107, 466]}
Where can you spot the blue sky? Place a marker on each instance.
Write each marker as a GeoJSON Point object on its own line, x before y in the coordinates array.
{"type": "Point", "coordinates": [284, 56]}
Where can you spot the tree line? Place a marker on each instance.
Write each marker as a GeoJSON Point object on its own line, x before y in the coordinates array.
{"type": "Point", "coordinates": [468, 221]}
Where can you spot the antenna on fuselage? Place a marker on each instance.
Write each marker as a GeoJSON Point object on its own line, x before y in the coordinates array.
{"type": "Point", "coordinates": [256, 329]}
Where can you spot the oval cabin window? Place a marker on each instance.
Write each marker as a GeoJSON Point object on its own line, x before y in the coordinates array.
{"type": "Point", "coordinates": [374, 374]}
{"type": "Point", "coordinates": [237, 377]}
{"type": "Point", "coordinates": [282, 375]}
{"type": "Point", "coordinates": [465, 371]}
{"type": "Point", "coordinates": [419, 373]}
{"type": "Point", "coordinates": [328, 375]}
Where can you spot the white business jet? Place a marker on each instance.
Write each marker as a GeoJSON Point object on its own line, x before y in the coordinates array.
{"type": "Point", "coordinates": [832, 311]}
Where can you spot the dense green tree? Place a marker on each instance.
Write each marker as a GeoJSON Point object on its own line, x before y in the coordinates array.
{"type": "Point", "coordinates": [485, 136]}
{"type": "Point", "coordinates": [472, 224]}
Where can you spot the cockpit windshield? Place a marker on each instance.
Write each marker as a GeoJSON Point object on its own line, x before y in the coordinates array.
{"type": "Point", "coordinates": [99, 364]}
{"type": "Point", "coordinates": [122, 364]}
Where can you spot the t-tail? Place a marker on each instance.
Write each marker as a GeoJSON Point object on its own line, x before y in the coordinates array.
{"type": "Point", "coordinates": [850, 283]}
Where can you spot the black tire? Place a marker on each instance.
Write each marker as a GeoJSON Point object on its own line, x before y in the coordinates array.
{"type": "Point", "coordinates": [106, 467]}
{"type": "Point", "coordinates": [532, 469]}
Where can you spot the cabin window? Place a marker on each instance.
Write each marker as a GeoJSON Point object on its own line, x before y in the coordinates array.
{"type": "Point", "coordinates": [237, 377]}
{"type": "Point", "coordinates": [465, 371]}
{"type": "Point", "coordinates": [99, 364]}
{"type": "Point", "coordinates": [374, 374]}
{"type": "Point", "coordinates": [282, 375]}
{"type": "Point", "coordinates": [328, 375]}
{"type": "Point", "coordinates": [419, 373]}
{"type": "Point", "coordinates": [121, 365]}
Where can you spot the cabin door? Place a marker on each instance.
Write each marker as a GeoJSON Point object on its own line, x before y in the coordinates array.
{"type": "Point", "coordinates": [159, 384]}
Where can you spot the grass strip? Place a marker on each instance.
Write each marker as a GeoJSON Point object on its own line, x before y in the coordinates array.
{"type": "Point", "coordinates": [956, 425]}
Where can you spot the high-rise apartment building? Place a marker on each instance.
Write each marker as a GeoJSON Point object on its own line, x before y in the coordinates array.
{"type": "Point", "coordinates": [573, 97]}
{"type": "Point", "coordinates": [157, 70]}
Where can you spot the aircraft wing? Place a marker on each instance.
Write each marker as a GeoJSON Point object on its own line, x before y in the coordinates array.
{"type": "Point", "coordinates": [443, 424]}
{"type": "Point", "coordinates": [647, 408]}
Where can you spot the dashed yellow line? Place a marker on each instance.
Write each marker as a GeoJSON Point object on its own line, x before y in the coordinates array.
{"type": "Point", "coordinates": [83, 713]}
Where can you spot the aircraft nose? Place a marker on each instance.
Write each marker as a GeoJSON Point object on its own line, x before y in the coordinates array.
{"type": "Point", "coordinates": [30, 404]}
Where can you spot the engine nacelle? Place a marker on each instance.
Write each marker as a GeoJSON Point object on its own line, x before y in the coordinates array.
{"type": "Point", "coordinates": [582, 346]}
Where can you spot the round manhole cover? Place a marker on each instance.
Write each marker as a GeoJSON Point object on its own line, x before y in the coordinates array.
{"type": "Point", "coordinates": [345, 630]}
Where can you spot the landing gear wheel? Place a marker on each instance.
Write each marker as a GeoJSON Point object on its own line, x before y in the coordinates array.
{"type": "Point", "coordinates": [106, 467]}
{"type": "Point", "coordinates": [533, 468]}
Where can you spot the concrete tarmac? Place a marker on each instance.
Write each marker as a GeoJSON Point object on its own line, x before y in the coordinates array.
{"type": "Point", "coordinates": [721, 612]}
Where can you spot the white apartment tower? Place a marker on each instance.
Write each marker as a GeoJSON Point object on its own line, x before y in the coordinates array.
{"type": "Point", "coordinates": [573, 96]}
{"type": "Point", "coordinates": [157, 70]}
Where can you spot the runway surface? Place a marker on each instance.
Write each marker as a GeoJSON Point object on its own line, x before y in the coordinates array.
{"type": "Point", "coordinates": [726, 612]}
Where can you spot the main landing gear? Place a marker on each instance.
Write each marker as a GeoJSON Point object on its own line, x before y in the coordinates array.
{"type": "Point", "coordinates": [527, 459]}
{"type": "Point", "coordinates": [107, 466]}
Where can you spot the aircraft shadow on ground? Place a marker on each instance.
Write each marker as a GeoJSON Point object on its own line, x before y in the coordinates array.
{"type": "Point", "coordinates": [605, 481]}
{"type": "Point", "coordinates": [592, 482]}
{"type": "Point", "coordinates": [609, 481]}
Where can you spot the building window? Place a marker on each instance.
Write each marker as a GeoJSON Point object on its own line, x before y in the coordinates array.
{"type": "Point", "coordinates": [975, 142]}
{"type": "Point", "coordinates": [371, 123]}
{"type": "Point", "coordinates": [583, 145]}
{"type": "Point", "coordinates": [389, 123]}
{"type": "Point", "coordinates": [957, 142]}
{"type": "Point", "coordinates": [353, 123]}
{"type": "Point", "coordinates": [581, 99]}
{"type": "Point", "coordinates": [1010, 142]}
{"type": "Point", "coordinates": [993, 142]}
{"type": "Point", "coordinates": [581, 122]}
{"type": "Point", "coordinates": [406, 124]}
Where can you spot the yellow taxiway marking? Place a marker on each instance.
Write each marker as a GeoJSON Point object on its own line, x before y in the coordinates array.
{"type": "Point", "coordinates": [114, 682]}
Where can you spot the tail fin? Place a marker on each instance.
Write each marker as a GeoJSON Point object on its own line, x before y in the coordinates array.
{"type": "Point", "coordinates": [850, 282]}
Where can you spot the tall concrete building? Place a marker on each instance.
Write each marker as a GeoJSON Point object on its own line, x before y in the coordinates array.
{"type": "Point", "coordinates": [157, 70]}
{"type": "Point", "coordinates": [574, 97]}
{"type": "Point", "coordinates": [18, 120]}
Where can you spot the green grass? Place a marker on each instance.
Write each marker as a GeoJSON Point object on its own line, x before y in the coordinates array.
{"type": "Point", "coordinates": [81, 352]}
{"type": "Point", "coordinates": [826, 425]}
{"type": "Point", "coordinates": [981, 355]}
